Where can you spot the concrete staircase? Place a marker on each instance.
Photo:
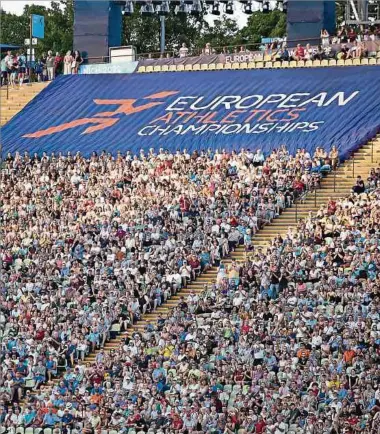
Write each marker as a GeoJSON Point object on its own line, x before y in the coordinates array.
{"type": "Point", "coordinates": [17, 99]}
{"type": "Point", "coordinates": [334, 185]}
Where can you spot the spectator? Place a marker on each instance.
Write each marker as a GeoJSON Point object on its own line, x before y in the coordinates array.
{"type": "Point", "coordinates": [207, 50]}
{"type": "Point", "coordinates": [43, 61]}
{"type": "Point", "coordinates": [351, 35]}
{"type": "Point", "coordinates": [92, 243]}
{"type": "Point", "coordinates": [309, 52]}
{"type": "Point", "coordinates": [77, 61]}
{"type": "Point", "coordinates": [183, 51]}
{"type": "Point", "coordinates": [325, 37]}
{"type": "Point", "coordinates": [4, 71]}
{"type": "Point", "coordinates": [21, 59]}
{"type": "Point", "coordinates": [38, 70]}
{"type": "Point", "coordinates": [58, 60]}
{"type": "Point", "coordinates": [359, 186]}
{"type": "Point", "coordinates": [299, 53]}
{"type": "Point", "coordinates": [50, 65]}
{"type": "Point", "coordinates": [13, 66]}
{"type": "Point", "coordinates": [67, 63]}
{"type": "Point", "coordinates": [344, 53]}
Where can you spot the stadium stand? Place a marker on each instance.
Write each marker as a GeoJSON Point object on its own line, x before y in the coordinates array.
{"type": "Point", "coordinates": [13, 101]}
{"type": "Point", "coordinates": [213, 291]}
{"type": "Point", "coordinates": [260, 64]}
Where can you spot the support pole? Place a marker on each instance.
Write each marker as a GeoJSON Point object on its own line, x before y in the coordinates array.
{"type": "Point", "coordinates": [162, 40]}
{"type": "Point", "coordinates": [30, 49]}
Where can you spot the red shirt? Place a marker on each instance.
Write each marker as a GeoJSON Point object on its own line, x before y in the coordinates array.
{"type": "Point", "coordinates": [177, 423]}
{"type": "Point", "coordinates": [260, 427]}
{"type": "Point", "coordinates": [194, 262]}
{"type": "Point", "coordinates": [184, 204]}
{"type": "Point", "coordinates": [300, 52]}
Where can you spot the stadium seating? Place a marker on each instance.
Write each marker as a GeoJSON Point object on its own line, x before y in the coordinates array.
{"type": "Point", "coordinates": [17, 100]}
{"type": "Point", "coordinates": [259, 64]}
{"type": "Point", "coordinates": [207, 344]}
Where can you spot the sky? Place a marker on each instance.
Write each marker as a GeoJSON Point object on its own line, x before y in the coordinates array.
{"type": "Point", "coordinates": [17, 7]}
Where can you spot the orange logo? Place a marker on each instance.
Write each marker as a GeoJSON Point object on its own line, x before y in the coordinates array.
{"type": "Point", "coordinates": [104, 120]}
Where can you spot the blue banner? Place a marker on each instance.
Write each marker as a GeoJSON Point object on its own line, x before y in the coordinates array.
{"type": "Point", "coordinates": [298, 108]}
{"type": "Point", "coordinates": [109, 68]}
{"type": "Point", "coordinates": [38, 26]}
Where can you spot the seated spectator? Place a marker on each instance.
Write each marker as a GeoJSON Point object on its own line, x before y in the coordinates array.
{"type": "Point", "coordinates": [282, 54]}
{"type": "Point", "coordinates": [94, 243]}
{"type": "Point", "coordinates": [344, 53]}
{"type": "Point", "coordinates": [319, 53]}
{"type": "Point", "coordinates": [309, 53]}
{"type": "Point", "coordinates": [359, 186]}
{"type": "Point", "coordinates": [299, 53]}
{"type": "Point", "coordinates": [334, 157]}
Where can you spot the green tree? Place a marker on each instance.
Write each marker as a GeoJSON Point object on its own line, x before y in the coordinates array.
{"type": "Point", "coordinates": [224, 32]}
{"type": "Point", "coordinates": [268, 25]}
{"type": "Point", "coordinates": [144, 31]}
{"type": "Point", "coordinates": [59, 18]}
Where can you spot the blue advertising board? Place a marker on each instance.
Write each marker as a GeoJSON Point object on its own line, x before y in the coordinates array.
{"type": "Point", "coordinates": [109, 68]}
{"type": "Point", "coordinates": [38, 26]}
{"type": "Point", "coordinates": [298, 108]}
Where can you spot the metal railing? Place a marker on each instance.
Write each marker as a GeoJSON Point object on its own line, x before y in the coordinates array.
{"type": "Point", "coordinates": [248, 48]}
{"type": "Point", "coordinates": [311, 193]}
{"type": "Point", "coordinates": [245, 48]}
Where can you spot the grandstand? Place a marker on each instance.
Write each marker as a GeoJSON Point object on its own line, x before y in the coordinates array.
{"type": "Point", "coordinates": [192, 253]}
{"type": "Point", "coordinates": [12, 101]}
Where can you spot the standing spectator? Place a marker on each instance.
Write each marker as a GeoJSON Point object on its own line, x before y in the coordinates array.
{"type": "Point", "coordinates": [183, 51]}
{"type": "Point", "coordinates": [77, 61]}
{"type": "Point", "coordinates": [4, 73]}
{"type": "Point", "coordinates": [38, 70]}
{"type": "Point", "coordinates": [351, 35]}
{"type": "Point", "coordinates": [67, 62]}
{"type": "Point", "coordinates": [22, 67]}
{"type": "Point", "coordinates": [50, 65]}
{"type": "Point", "coordinates": [325, 37]}
{"type": "Point", "coordinates": [8, 62]}
{"type": "Point", "coordinates": [207, 50]}
{"type": "Point", "coordinates": [43, 66]}
{"type": "Point", "coordinates": [14, 71]}
{"type": "Point", "coordinates": [57, 64]}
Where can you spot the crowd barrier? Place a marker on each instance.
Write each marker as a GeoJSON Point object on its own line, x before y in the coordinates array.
{"type": "Point", "coordinates": [266, 63]}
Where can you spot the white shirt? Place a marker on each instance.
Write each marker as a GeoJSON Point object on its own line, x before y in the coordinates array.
{"type": "Point", "coordinates": [183, 52]}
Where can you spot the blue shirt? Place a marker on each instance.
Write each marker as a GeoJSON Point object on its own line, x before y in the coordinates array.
{"type": "Point", "coordinates": [50, 419]}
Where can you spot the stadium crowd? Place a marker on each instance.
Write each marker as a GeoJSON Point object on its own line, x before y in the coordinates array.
{"type": "Point", "coordinates": [288, 342]}
{"type": "Point", "coordinates": [15, 68]}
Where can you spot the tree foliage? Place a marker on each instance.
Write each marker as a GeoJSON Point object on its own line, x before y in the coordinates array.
{"type": "Point", "coordinates": [144, 32]}
{"type": "Point", "coordinates": [269, 25]}
{"type": "Point", "coordinates": [223, 33]}
{"type": "Point", "coordinates": [59, 20]}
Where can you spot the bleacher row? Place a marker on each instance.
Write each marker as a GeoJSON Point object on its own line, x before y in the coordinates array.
{"type": "Point", "coordinates": [31, 430]}
{"type": "Point", "coordinates": [269, 64]}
